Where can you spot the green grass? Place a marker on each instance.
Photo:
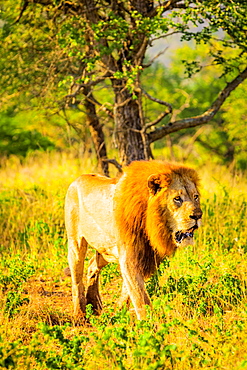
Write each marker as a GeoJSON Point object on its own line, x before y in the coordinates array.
{"type": "Point", "coordinates": [199, 316]}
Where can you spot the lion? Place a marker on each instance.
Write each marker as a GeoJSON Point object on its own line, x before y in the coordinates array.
{"type": "Point", "coordinates": [136, 220]}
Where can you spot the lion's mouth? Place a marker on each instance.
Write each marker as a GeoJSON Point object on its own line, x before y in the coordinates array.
{"type": "Point", "coordinates": [181, 235]}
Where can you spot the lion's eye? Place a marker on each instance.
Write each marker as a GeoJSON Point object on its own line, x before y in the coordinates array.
{"type": "Point", "coordinates": [178, 200]}
{"type": "Point", "coordinates": [196, 197]}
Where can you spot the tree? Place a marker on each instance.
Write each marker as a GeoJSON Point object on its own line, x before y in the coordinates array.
{"type": "Point", "coordinates": [223, 139]}
{"type": "Point", "coordinates": [83, 44]}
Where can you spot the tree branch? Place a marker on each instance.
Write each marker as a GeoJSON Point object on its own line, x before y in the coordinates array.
{"type": "Point", "coordinates": [162, 115]}
{"type": "Point", "coordinates": [186, 104]}
{"type": "Point", "coordinates": [159, 101]}
{"type": "Point", "coordinates": [23, 8]}
{"type": "Point", "coordinates": [166, 5]}
{"type": "Point", "coordinates": [163, 37]}
{"type": "Point", "coordinates": [141, 52]}
{"type": "Point", "coordinates": [76, 88]}
{"type": "Point", "coordinates": [102, 106]}
{"type": "Point", "coordinates": [64, 6]}
{"type": "Point", "coordinates": [202, 119]}
{"type": "Point", "coordinates": [154, 58]}
{"type": "Point", "coordinates": [156, 121]}
{"type": "Point", "coordinates": [115, 163]}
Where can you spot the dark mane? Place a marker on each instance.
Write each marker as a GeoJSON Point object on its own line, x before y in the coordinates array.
{"type": "Point", "coordinates": [131, 202]}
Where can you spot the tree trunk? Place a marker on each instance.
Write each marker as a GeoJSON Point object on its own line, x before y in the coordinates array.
{"type": "Point", "coordinates": [96, 132]}
{"type": "Point", "coordinates": [129, 136]}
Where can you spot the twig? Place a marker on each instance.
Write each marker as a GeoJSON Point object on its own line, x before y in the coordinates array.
{"type": "Point", "coordinates": [115, 163]}
{"type": "Point", "coordinates": [159, 101]}
{"type": "Point", "coordinates": [167, 5]}
{"type": "Point", "coordinates": [156, 121]}
{"type": "Point", "coordinates": [156, 56]}
{"type": "Point", "coordinates": [176, 112]}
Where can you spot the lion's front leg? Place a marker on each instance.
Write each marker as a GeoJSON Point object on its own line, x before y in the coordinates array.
{"type": "Point", "coordinates": [124, 297]}
{"type": "Point", "coordinates": [135, 286]}
{"type": "Point", "coordinates": [76, 256]}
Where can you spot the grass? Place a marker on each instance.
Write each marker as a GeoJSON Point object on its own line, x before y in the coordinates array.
{"type": "Point", "coordinates": [199, 316]}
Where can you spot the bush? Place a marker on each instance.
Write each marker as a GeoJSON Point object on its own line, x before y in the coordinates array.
{"type": "Point", "coordinates": [15, 140]}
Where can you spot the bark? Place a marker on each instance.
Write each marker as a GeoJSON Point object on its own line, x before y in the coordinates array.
{"type": "Point", "coordinates": [129, 137]}
{"type": "Point", "coordinates": [142, 6]}
{"type": "Point", "coordinates": [96, 131]}
{"type": "Point", "coordinates": [130, 132]}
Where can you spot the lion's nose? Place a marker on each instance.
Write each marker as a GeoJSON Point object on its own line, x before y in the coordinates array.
{"type": "Point", "coordinates": [196, 215]}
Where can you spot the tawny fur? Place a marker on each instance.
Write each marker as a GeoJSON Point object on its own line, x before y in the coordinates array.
{"type": "Point", "coordinates": [132, 220]}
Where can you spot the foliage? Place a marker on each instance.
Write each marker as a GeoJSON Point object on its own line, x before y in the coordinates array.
{"type": "Point", "coordinates": [223, 139]}
{"type": "Point", "coordinates": [13, 275]}
{"type": "Point", "coordinates": [19, 141]}
{"type": "Point", "coordinates": [72, 351]}
{"type": "Point", "coordinates": [204, 293]}
{"type": "Point", "coordinates": [109, 272]}
{"type": "Point", "coordinates": [199, 315]}
{"type": "Point", "coordinates": [58, 55]}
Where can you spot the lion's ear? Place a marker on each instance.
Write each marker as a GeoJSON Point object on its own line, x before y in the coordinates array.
{"type": "Point", "coordinates": [154, 184]}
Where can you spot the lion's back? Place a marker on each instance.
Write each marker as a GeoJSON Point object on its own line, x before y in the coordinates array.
{"type": "Point", "coordinates": [89, 210]}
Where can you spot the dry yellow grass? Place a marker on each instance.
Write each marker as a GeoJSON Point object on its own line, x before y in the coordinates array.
{"type": "Point", "coordinates": [200, 314]}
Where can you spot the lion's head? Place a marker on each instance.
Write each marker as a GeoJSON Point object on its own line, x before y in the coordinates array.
{"type": "Point", "coordinates": [157, 210]}
{"type": "Point", "coordinates": [175, 203]}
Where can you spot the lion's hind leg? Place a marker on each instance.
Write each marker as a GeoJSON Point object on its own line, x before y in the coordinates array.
{"type": "Point", "coordinates": [76, 256]}
{"type": "Point", "coordinates": [96, 263]}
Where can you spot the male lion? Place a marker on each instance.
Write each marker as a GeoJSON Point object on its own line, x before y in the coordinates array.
{"type": "Point", "coordinates": [136, 220]}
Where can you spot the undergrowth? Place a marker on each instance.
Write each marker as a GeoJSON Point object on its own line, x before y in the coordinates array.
{"type": "Point", "coordinates": [199, 296]}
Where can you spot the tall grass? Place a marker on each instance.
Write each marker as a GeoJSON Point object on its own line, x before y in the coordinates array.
{"type": "Point", "coordinates": [199, 296]}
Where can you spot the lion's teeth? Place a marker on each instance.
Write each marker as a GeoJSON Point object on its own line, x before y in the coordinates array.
{"type": "Point", "coordinates": [189, 234]}
{"type": "Point", "coordinates": [180, 236]}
